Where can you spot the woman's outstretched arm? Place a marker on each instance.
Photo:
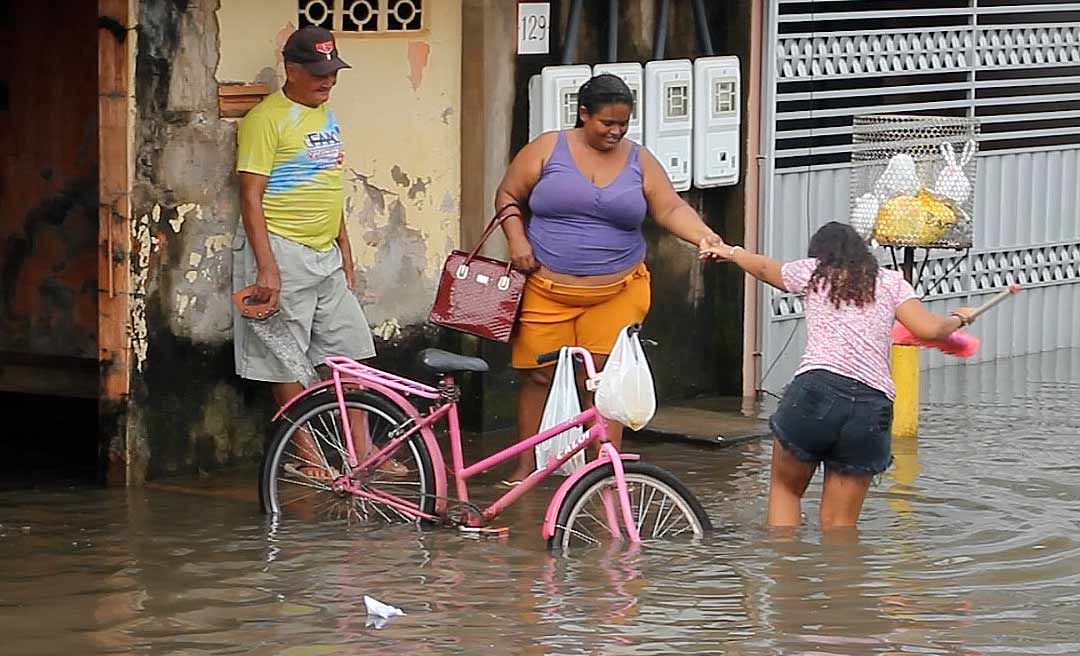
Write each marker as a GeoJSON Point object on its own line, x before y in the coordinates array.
{"type": "Point", "coordinates": [762, 267]}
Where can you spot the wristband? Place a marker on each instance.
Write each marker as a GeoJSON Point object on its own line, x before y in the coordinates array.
{"type": "Point", "coordinates": [963, 320]}
{"type": "Point", "coordinates": [731, 253]}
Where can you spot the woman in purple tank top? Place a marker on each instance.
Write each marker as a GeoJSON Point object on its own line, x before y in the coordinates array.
{"type": "Point", "coordinates": [587, 192]}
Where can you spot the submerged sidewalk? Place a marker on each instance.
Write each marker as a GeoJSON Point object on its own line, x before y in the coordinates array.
{"type": "Point", "coordinates": [716, 421]}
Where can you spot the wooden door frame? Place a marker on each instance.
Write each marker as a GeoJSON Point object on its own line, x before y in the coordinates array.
{"type": "Point", "coordinates": [115, 47]}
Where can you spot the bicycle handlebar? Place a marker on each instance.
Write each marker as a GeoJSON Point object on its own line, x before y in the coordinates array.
{"type": "Point", "coordinates": [552, 356]}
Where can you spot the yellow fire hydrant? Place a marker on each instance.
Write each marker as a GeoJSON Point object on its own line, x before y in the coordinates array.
{"type": "Point", "coordinates": [905, 372]}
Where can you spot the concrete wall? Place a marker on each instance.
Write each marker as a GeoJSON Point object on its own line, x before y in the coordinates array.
{"type": "Point", "coordinates": [399, 108]}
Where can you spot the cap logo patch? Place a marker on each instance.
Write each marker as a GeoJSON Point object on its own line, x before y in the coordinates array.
{"type": "Point", "coordinates": [326, 48]}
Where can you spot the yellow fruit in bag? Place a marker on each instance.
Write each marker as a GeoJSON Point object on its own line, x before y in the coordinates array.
{"type": "Point", "coordinates": [913, 220]}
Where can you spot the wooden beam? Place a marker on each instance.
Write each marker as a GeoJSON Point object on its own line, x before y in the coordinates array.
{"type": "Point", "coordinates": [235, 98]}
{"type": "Point", "coordinates": [114, 214]}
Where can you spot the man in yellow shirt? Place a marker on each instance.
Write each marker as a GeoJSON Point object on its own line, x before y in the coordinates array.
{"type": "Point", "coordinates": [294, 246]}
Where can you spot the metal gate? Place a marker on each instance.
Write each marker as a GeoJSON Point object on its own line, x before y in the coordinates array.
{"type": "Point", "coordinates": [1014, 65]}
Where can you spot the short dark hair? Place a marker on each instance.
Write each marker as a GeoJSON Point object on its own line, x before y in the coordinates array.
{"type": "Point", "coordinates": [602, 90]}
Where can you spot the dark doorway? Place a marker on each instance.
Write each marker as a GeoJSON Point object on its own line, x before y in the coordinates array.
{"type": "Point", "coordinates": [48, 231]}
{"type": "Point", "coordinates": [49, 441]}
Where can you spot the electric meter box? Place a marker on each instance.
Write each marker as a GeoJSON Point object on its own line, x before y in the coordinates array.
{"type": "Point", "coordinates": [717, 111]}
{"type": "Point", "coordinates": [669, 114]}
{"type": "Point", "coordinates": [631, 74]}
{"type": "Point", "coordinates": [553, 102]}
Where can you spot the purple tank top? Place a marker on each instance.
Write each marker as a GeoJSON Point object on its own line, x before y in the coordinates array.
{"type": "Point", "coordinates": [580, 228]}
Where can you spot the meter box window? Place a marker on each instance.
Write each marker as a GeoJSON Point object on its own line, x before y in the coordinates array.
{"type": "Point", "coordinates": [553, 98]}
{"type": "Point", "coordinates": [669, 109]}
{"type": "Point", "coordinates": [716, 121]}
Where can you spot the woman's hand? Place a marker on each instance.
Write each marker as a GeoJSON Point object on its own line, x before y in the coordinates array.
{"type": "Point", "coordinates": [712, 246]}
{"type": "Point", "coordinates": [965, 313]}
{"type": "Point", "coordinates": [521, 256]}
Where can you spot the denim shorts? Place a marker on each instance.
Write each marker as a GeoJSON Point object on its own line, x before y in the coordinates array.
{"type": "Point", "coordinates": [826, 417]}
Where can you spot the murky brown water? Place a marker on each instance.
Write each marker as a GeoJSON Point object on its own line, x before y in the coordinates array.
{"type": "Point", "coordinates": [970, 545]}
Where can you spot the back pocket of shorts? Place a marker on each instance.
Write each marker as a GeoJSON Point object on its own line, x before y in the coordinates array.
{"type": "Point", "coordinates": [809, 400]}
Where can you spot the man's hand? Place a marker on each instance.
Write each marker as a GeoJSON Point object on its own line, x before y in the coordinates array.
{"type": "Point", "coordinates": [268, 287]}
{"type": "Point", "coordinates": [521, 256]}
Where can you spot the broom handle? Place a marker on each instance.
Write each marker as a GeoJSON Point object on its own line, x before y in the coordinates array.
{"type": "Point", "coordinates": [997, 298]}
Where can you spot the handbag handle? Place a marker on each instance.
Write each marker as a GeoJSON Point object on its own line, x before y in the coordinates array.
{"type": "Point", "coordinates": [500, 216]}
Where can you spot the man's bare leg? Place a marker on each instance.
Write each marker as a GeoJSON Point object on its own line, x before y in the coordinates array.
{"type": "Point", "coordinates": [310, 454]}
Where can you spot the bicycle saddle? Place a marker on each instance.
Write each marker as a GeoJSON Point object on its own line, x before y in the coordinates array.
{"type": "Point", "coordinates": [443, 362]}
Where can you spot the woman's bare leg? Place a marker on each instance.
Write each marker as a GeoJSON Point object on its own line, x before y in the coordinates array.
{"type": "Point", "coordinates": [787, 484]}
{"type": "Point", "coordinates": [842, 498]}
{"type": "Point", "coordinates": [530, 408]}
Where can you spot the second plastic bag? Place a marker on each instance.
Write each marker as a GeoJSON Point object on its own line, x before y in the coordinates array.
{"type": "Point", "coordinates": [562, 404]}
{"type": "Point", "coordinates": [626, 392]}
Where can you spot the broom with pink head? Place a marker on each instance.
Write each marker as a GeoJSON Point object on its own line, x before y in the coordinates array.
{"type": "Point", "coordinates": [958, 343]}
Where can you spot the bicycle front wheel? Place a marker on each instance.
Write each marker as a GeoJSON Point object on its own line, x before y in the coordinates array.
{"type": "Point", "coordinates": [307, 453]}
{"type": "Point", "coordinates": [662, 507]}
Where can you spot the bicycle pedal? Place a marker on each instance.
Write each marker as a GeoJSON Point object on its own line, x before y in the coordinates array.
{"type": "Point", "coordinates": [484, 531]}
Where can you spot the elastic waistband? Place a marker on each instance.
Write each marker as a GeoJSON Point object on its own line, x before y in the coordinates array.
{"type": "Point", "coordinates": [536, 280]}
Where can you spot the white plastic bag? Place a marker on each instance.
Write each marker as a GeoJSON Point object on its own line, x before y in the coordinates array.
{"type": "Point", "coordinates": [562, 404]}
{"type": "Point", "coordinates": [900, 178]}
{"type": "Point", "coordinates": [626, 392]}
{"type": "Point", "coordinates": [951, 181]}
{"type": "Point", "coordinates": [864, 214]}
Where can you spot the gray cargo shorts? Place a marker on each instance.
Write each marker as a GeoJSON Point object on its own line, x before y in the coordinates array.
{"type": "Point", "coordinates": [320, 310]}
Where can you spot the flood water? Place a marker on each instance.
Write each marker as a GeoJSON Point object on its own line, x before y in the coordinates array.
{"type": "Point", "coordinates": [969, 545]}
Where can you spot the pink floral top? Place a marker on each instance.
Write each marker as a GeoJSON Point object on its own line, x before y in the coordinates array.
{"type": "Point", "coordinates": [850, 341]}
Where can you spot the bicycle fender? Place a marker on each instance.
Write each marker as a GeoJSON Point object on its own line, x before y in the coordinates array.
{"type": "Point", "coordinates": [552, 513]}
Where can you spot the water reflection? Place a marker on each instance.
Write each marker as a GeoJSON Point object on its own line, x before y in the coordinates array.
{"type": "Point", "coordinates": [968, 546]}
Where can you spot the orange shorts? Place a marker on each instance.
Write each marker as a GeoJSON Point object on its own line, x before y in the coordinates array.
{"type": "Point", "coordinates": [554, 315]}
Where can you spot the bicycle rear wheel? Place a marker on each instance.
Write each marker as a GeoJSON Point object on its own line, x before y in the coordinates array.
{"type": "Point", "coordinates": [307, 452]}
{"type": "Point", "coordinates": [663, 508]}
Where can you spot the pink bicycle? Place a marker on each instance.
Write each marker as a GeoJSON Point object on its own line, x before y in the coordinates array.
{"type": "Point", "coordinates": [311, 465]}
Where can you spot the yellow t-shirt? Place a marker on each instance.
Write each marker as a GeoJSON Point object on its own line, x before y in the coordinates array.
{"type": "Point", "coordinates": [298, 148]}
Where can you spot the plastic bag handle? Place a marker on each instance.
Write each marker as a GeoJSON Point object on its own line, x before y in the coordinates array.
{"type": "Point", "coordinates": [969, 151]}
{"type": "Point", "coordinates": [948, 153]}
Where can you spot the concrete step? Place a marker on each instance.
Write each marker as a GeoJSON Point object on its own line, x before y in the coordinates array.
{"type": "Point", "coordinates": [718, 422]}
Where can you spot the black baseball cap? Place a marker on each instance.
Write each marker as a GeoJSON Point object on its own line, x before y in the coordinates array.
{"type": "Point", "coordinates": [314, 49]}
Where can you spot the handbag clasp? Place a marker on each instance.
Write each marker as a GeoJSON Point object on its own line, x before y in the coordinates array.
{"type": "Point", "coordinates": [462, 272]}
{"type": "Point", "coordinates": [504, 283]}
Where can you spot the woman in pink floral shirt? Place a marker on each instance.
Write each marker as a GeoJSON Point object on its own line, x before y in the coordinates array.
{"type": "Point", "coordinates": [838, 408]}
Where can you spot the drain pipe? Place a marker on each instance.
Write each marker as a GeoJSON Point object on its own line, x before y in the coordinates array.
{"type": "Point", "coordinates": [660, 36]}
{"type": "Point", "coordinates": [569, 53]}
{"type": "Point", "coordinates": [752, 201]}
{"type": "Point", "coordinates": [702, 24]}
{"type": "Point", "coordinates": [613, 31]}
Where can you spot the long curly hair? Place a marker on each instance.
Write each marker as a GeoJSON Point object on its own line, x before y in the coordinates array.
{"type": "Point", "coordinates": [845, 265]}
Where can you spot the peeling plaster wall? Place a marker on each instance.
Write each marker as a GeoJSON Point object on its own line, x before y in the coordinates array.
{"type": "Point", "coordinates": [399, 109]}
{"type": "Point", "coordinates": [191, 411]}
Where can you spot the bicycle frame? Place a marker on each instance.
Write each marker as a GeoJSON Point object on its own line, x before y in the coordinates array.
{"type": "Point", "coordinates": [348, 372]}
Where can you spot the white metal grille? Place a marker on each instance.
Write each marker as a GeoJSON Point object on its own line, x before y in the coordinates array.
{"type": "Point", "coordinates": [361, 17]}
{"type": "Point", "coordinates": [960, 275]}
{"type": "Point", "coordinates": [1014, 66]}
